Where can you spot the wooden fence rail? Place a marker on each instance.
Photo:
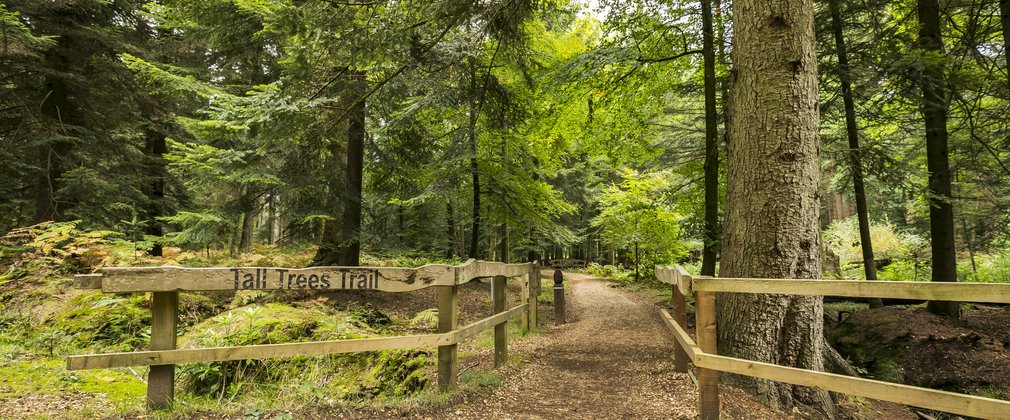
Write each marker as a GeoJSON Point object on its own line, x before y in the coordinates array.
{"type": "Point", "coordinates": [705, 358]}
{"type": "Point", "coordinates": [165, 283]}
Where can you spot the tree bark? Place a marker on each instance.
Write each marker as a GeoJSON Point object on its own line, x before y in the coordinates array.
{"type": "Point", "coordinates": [505, 245]}
{"type": "Point", "coordinates": [711, 245]}
{"type": "Point", "coordinates": [154, 149]}
{"type": "Point", "coordinates": [852, 132]}
{"type": "Point", "coordinates": [341, 245]}
{"type": "Point", "coordinates": [248, 205]}
{"type": "Point", "coordinates": [451, 229]}
{"type": "Point", "coordinates": [934, 111]}
{"type": "Point", "coordinates": [771, 228]}
{"type": "Point", "coordinates": [474, 170]}
{"type": "Point", "coordinates": [53, 153]}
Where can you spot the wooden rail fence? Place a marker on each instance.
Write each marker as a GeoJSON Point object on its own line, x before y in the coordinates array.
{"type": "Point", "coordinates": [165, 283]}
{"type": "Point", "coordinates": [705, 357]}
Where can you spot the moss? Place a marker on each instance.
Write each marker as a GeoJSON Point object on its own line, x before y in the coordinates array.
{"type": "Point", "coordinates": [345, 376]}
{"type": "Point", "coordinates": [47, 376]}
{"type": "Point", "coordinates": [107, 322]}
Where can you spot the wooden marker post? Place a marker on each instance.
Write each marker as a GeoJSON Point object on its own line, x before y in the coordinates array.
{"type": "Point", "coordinates": [447, 367]}
{"type": "Point", "coordinates": [708, 379]}
{"type": "Point", "coordinates": [680, 317]}
{"type": "Point", "coordinates": [164, 318]}
{"type": "Point", "coordinates": [500, 330]}
{"type": "Point", "coordinates": [559, 297]}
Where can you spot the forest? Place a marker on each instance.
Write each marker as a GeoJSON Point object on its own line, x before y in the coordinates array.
{"type": "Point", "coordinates": [859, 140]}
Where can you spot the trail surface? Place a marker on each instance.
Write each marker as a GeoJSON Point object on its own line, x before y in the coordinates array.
{"type": "Point", "coordinates": [611, 360]}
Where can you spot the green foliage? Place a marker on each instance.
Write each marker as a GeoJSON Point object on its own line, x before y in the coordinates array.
{"type": "Point", "coordinates": [349, 376]}
{"type": "Point", "coordinates": [842, 238]}
{"type": "Point", "coordinates": [198, 230]}
{"type": "Point", "coordinates": [905, 270]}
{"type": "Point", "coordinates": [105, 322]}
{"type": "Point", "coordinates": [607, 271]}
{"type": "Point", "coordinates": [51, 249]}
{"type": "Point", "coordinates": [637, 215]}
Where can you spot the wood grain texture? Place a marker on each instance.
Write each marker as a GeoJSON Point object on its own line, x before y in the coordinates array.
{"type": "Point", "coordinates": [475, 328]}
{"type": "Point", "coordinates": [473, 269]}
{"type": "Point", "coordinates": [676, 276]}
{"type": "Point", "coordinates": [386, 279]}
{"type": "Point", "coordinates": [448, 366]}
{"type": "Point", "coordinates": [708, 379]}
{"type": "Point", "coordinates": [968, 292]}
{"type": "Point", "coordinates": [680, 320]}
{"type": "Point", "coordinates": [87, 281]}
{"type": "Point", "coordinates": [501, 329]}
{"type": "Point", "coordinates": [268, 351]}
{"type": "Point", "coordinates": [162, 279]}
{"type": "Point", "coordinates": [264, 351]}
{"type": "Point", "coordinates": [683, 339]}
{"type": "Point", "coordinates": [950, 402]}
{"type": "Point", "coordinates": [164, 323]}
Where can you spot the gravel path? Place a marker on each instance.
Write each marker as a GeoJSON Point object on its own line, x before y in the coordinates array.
{"type": "Point", "coordinates": [611, 360]}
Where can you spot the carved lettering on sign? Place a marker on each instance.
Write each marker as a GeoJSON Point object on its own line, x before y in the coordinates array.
{"type": "Point", "coordinates": [284, 279]}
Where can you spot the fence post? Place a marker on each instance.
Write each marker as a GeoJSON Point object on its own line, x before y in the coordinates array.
{"type": "Point", "coordinates": [524, 298]}
{"type": "Point", "coordinates": [447, 367]}
{"type": "Point", "coordinates": [559, 297]}
{"type": "Point", "coordinates": [534, 295]}
{"type": "Point", "coordinates": [500, 330]}
{"type": "Point", "coordinates": [708, 379]}
{"type": "Point", "coordinates": [680, 317]}
{"type": "Point", "coordinates": [161, 380]}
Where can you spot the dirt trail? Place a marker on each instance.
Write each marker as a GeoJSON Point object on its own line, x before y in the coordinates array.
{"type": "Point", "coordinates": [611, 360]}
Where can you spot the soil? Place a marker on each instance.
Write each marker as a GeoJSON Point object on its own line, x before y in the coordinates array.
{"type": "Point", "coordinates": [912, 346]}
{"type": "Point", "coordinates": [612, 359]}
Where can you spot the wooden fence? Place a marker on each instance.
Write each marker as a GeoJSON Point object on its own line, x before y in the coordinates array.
{"type": "Point", "coordinates": [705, 357]}
{"type": "Point", "coordinates": [165, 283]}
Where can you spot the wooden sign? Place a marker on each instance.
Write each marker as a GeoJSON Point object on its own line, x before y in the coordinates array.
{"type": "Point", "coordinates": [163, 279]}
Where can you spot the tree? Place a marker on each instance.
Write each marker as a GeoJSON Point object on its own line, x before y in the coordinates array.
{"type": "Point", "coordinates": [934, 111]}
{"type": "Point", "coordinates": [637, 215]}
{"type": "Point", "coordinates": [852, 133]}
{"type": "Point", "coordinates": [771, 227]}
{"type": "Point", "coordinates": [711, 242]}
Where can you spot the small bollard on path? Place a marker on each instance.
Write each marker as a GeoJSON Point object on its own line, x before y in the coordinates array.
{"type": "Point", "coordinates": [559, 297]}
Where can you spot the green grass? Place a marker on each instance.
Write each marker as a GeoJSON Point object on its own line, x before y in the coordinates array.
{"type": "Point", "coordinates": [105, 392]}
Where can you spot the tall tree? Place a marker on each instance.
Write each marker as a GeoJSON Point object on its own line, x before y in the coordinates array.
{"type": "Point", "coordinates": [934, 111]}
{"type": "Point", "coordinates": [342, 245]}
{"type": "Point", "coordinates": [852, 133]}
{"type": "Point", "coordinates": [1004, 20]}
{"type": "Point", "coordinates": [711, 145]}
{"type": "Point", "coordinates": [771, 226]}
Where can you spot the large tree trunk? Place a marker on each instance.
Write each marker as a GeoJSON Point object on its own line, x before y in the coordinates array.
{"type": "Point", "coordinates": [341, 245]}
{"type": "Point", "coordinates": [771, 226]}
{"type": "Point", "coordinates": [711, 247]}
{"type": "Point", "coordinates": [852, 132]}
{"type": "Point", "coordinates": [934, 111]}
